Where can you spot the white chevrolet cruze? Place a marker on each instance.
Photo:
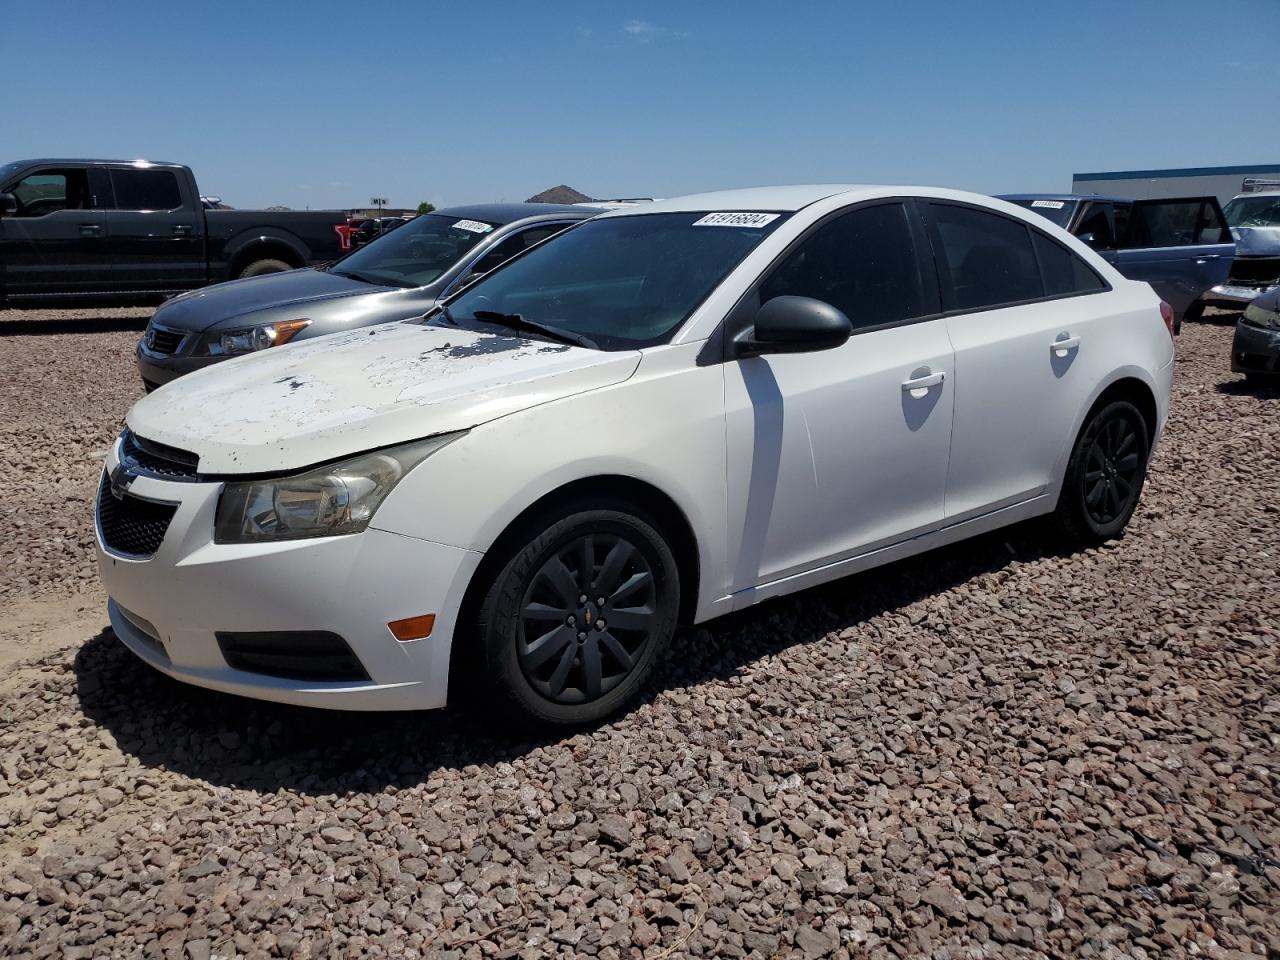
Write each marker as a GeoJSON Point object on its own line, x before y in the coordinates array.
{"type": "Point", "coordinates": [664, 414]}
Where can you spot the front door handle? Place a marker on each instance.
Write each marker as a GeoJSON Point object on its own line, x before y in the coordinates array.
{"type": "Point", "coordinates": [90, 230]}
{"type": "Point", "coordinates": [183, 229]}
{"type": "Point", "coordinates": [919, 386]}
{"type": "Point", "coordinates": [1206, 257]}
{"type": "Point", "coordinates": [1063, 344]}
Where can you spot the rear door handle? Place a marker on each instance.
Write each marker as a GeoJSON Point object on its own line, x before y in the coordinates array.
{"type": "Point", "coordinates": [1206, 257]}
{"type": "Point", "coordinates": [1063, 344]}
{"type": "Point", "coordinates": [923, 383]}
{"type": "Point", "coordinates": [183, 229]}
{"type": "Point", "coordinates": [90, 230]}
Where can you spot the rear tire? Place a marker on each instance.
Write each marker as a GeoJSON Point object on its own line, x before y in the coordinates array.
{"type": "Point", "coordinates": [1105, 474]}
{"type": "Point", "coordinates": [549, 645]}
{"type": "Point", "coordinates": [260, 267]}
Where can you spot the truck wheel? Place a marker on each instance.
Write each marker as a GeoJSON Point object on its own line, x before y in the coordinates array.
{"type": "Point", "coordinates": [258, 267]}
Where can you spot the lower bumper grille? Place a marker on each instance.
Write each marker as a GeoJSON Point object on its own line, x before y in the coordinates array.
{"type": "Point", "coordinates": [1255, 271]}
{"type": "Point", "coordinates": [293, 655]}
{"type": "Point", "coordinates": [132, 526]}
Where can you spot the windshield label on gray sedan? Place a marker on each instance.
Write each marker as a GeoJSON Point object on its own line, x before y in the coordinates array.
{"type": "Point", "coordinates": [724, 219]}
{"type": "Point", "coordinates": [1050, 204]}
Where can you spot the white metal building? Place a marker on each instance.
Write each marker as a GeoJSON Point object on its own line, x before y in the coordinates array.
{"type": "Point", "coordinates": [1222, 182]}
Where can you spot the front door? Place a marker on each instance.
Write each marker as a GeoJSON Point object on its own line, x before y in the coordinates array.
{"type": "Point", "coordinates": [53, 243]}
{"type": "Point", "coordinates": [835, 453]}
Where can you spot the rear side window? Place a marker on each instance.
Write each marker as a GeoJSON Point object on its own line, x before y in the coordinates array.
{"type": "Point", "coordinates": [863, 263]}
{"type": "Point", "coordinates": [146, 190]}
{"type": "Point", "coordinates": [1062, 271]}
{"type": "Point", "coordinates": [985, 260]}
{"type": "Point", "coordinates": [1176, 223]}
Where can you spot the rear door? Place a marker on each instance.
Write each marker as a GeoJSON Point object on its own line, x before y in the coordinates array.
{"type": "Point", "coordinates": [1027, 344]}
{"type": "Point", "coordinates": [155, 232]}
{"type": "Point", "coordinates": [53, 243]}
{"type": "Point", "coordinates": [1181, 247]}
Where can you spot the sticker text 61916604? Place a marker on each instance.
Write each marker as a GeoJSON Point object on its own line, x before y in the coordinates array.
{"type": "Point", "coordinates": [727, 219]}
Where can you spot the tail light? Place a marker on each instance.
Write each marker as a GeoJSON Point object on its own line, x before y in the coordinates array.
{"type": "Point", "coordinates": [1166, 314]}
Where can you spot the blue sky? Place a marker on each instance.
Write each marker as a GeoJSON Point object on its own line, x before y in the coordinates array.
{"type": "Point", "coordinates": [326, 104]}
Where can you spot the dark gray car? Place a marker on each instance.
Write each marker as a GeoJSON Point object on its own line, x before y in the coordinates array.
{"type": "Point", "coordinates": [1255, 351]}
{"type": "Point", "coordinates": [399, 275]}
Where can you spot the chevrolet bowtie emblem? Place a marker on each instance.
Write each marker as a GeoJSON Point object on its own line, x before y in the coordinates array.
{"type": "Point", "coordinates": [121, 479]}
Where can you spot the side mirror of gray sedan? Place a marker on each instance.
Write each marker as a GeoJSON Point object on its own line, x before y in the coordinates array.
{"type": "Point", "coordinates": [8, 203]}
{"type": "Point", "coordinates": [794, 325]}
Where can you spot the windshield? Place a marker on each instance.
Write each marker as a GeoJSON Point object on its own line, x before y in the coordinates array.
{"type": "Point", "coordinates": [416, 253]}
{"type": "Point", "coordinates": [622, 282]}
{"type": "Point", "coordinates": [1059, 211]}
{"type": "Point", "coordinates": [1261, 211]}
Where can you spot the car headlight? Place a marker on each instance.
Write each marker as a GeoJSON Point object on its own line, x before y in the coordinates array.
{"type": "Point", "coordinates": [1262, 317]}
{"type": "Point", "coordinates": [229, 343]}
{"type": "Point", "coordinates": [327, 501]}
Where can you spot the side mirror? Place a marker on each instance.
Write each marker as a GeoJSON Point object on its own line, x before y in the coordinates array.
{"type": "Point", "coordinates": [8, 203]}
{"type": "Point", "coordinates": [1090, 240]}
{"type": "Point", "coordinates": [794, 325]}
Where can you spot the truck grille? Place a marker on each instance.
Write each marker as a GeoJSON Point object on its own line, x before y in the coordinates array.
{"type": "Point", "coordinates": [129, 525]}
{"type": "Point", "coordinates": [157, 458]}
{"type": "Point", "coordinates": [1255, 271]}
{"type": "Point", "coordinates": [162, 340]}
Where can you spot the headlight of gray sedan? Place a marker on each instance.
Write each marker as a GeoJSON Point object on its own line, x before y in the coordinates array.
{"type": "Point", "coordinates": [327, 501]}
{"type": "Point", "coordinates": [231, 343]}
{"type": "Point", "coordinates": [1261, 317]}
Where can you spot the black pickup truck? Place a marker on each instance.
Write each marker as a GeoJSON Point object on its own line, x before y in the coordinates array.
{"type": "Point", "coordinates": [135, 230]}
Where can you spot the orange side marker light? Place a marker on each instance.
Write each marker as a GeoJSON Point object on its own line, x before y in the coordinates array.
{"type": "Point", "coordinates": [413, 628]}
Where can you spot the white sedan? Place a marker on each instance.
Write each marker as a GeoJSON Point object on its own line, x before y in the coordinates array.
{"type": "Point", "coordinates": [665, 413]}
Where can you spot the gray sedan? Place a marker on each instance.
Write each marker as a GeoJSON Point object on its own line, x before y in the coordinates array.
{"type": "Point", "coordinates": [399, 275]}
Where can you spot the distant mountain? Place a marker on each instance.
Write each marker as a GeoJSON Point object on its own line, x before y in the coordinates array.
{"type": "Point", "coordinates": [560, 194]}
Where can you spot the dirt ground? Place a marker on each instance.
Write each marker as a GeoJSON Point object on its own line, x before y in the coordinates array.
{"type": "Point", "coordinates": [995, 750]}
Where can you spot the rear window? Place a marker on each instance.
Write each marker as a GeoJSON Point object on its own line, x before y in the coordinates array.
{"type": "Point", "coordinates": [145, 190]}
{"type": "Point", "coordinates": [986, 260]}
{"type": "Point", "coordinates": [1175, 223]}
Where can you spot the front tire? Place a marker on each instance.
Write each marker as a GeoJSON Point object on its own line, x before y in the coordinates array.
{"type": "Point", "coordinates": [1105, 474]}
{"type": "Point", "coordinates": [576, 619]}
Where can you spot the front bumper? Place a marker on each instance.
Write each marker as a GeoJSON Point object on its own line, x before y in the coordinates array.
{"type": "Point", "coordinates": [167, 608]}
{"type": "Point", "coordinates": [1255, 349]}
{"type": "Point", "coordinates": [1234, 296]}
{"type": "Point", "coordinates": [157, 369]}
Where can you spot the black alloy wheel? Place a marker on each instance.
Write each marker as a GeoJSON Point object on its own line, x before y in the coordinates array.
{"type": "Point", "coordinates": [579, 614]}
{"type": "Point", "coordinates": [1105, 474]}
{"type": "Point", "coordinates": [587, 616]}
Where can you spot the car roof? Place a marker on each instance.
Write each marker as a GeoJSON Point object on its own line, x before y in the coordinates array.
{"type": "Point", "coordinates": [1015, 197]}
{"type": "Point", "coordinates": [48, 161]}
{"type": "Point", "coordinates": [788, 198]}
{"type": "Point", "coordinates": [504, 213]}
{"type": "Point", "coordinates": [1256, 193]}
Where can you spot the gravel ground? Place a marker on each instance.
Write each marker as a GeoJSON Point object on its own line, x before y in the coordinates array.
{"type": "Point", "coordinates": [991, 751]}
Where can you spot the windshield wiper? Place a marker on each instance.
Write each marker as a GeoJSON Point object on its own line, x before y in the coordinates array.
{"type": "Point", "coordinates": [372, 278]}
{"type": "Point", "coordinates": [515, 321]}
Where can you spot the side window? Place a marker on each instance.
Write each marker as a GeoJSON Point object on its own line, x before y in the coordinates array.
{"type": "Point", "coordinates": [509, 247]}
{"type": "Point", "coordinates": [987, 258]}
{"type": "Point", "coordinates": [46, 192]}
{"type": "Point", "coordinates": [1164, 223]}
{"type": "Point", "coordinates": [1096, 220]}
{"type": "Point", "coordinates": [146, 190]}
{"type": "Point", "coordinates": [863, 263]}
{"type": "Point", "coordinates": [1063, 272]}
{"type": "Point", "coordinates": [1213, 226]}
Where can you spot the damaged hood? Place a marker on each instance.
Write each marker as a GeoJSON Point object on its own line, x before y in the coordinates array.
{"type": "Point", "coordinates": [1257, 241]}
{"type": "Point", "coordinates": [294, 406]}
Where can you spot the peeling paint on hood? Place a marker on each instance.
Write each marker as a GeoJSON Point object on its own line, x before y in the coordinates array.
{"type": "Point", "coordinates": [290, 407]}
{"type": "Point", "coordinates": [1257, 241]}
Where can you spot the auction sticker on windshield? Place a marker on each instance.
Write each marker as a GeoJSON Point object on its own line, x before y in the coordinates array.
{"type": "Point", "coordinates": [475, 226]}
{"type": "Point", "coordinates": [725, 219]}
{"type": "Point", "coordinates": [1049, 204]}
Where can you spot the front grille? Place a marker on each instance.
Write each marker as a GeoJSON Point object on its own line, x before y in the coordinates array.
{"type": "Point", "coordinates": [292, 655]}
{"type": "Point", "coordinates": [132, 526]}
{"type": "Point", "coordinates": [1255, 270]}
{"type": "Point", "coordinates": [160, 340]}
{"type": "Point", "coordinates": [157, 458]}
